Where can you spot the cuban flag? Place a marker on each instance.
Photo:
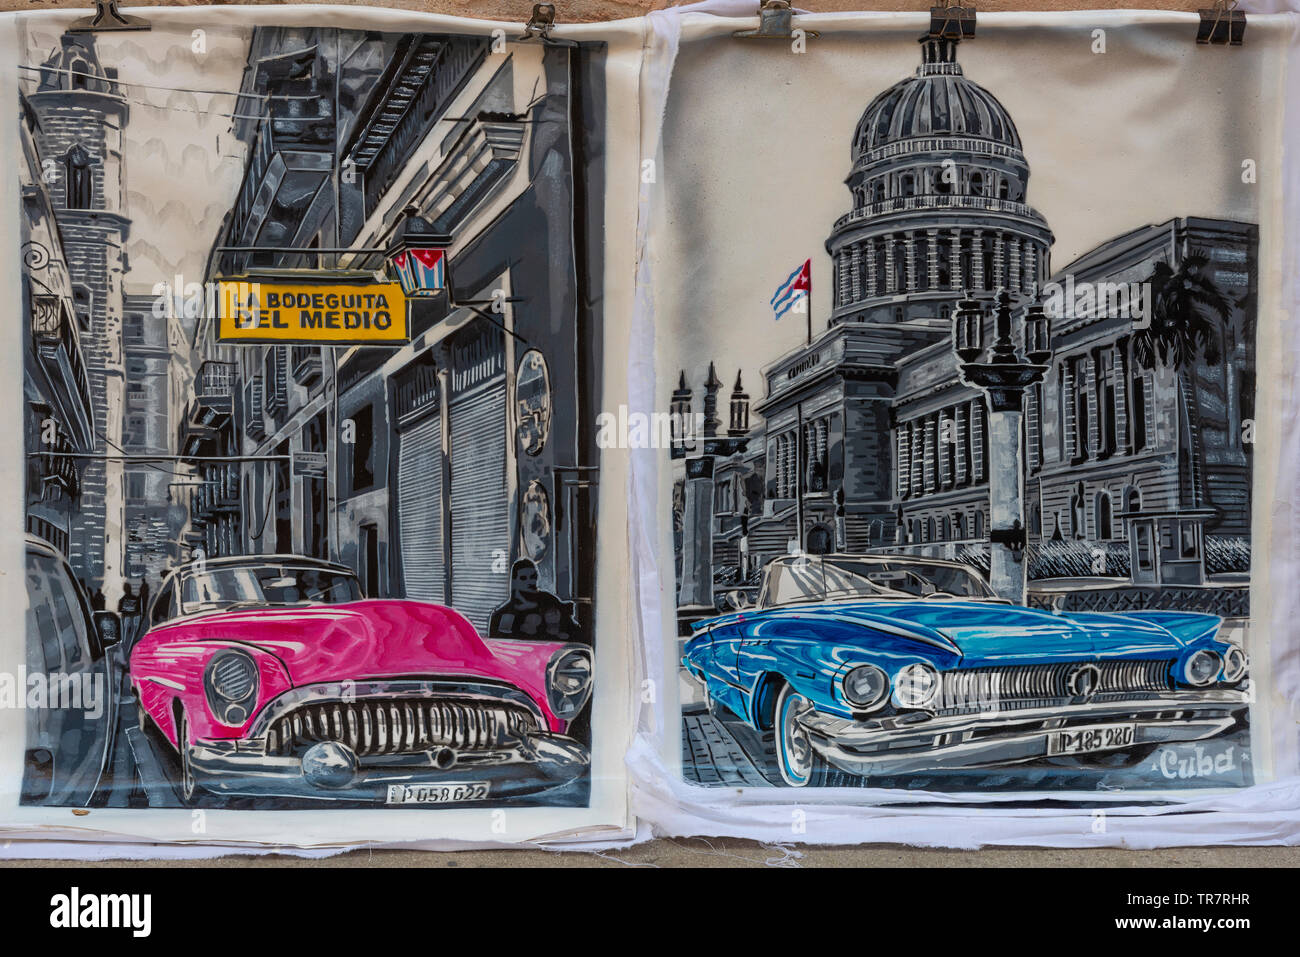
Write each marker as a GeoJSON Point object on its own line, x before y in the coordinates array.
{"type": "Point", "coordinates": [421, 271]}
{"type": "Point", "coordinates": [795, 288]}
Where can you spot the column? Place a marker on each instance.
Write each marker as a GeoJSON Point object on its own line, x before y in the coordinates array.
{"type": "Point", "coordinates": [885, 286]}
{"type": "Point", "coordinates": [1006, 495]}
{"type": "Point", "coordinates": [872, 288]}
{"type": "Point", "coordinates": [956, 279]}
{"type": "Point", "coordinates": [1014, 259]}
{"type": "Point", "coordinates": [999, 262]}
{"type": "Point", "coordinates": [977, 260]}
{"type": "Point", "coordinates": [909, 261]}
{"type": "Point", "coordinates": [932, 257]}
{"type": "Point", "coordinates": [855, 273]}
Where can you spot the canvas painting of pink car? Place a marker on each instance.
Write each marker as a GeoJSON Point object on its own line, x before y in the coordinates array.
{"type": "Point", "coordinates": [271, 676]}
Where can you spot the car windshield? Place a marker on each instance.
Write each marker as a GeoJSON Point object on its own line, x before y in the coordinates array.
{"type": "Point", "coordinates": [817, 579]}
{"type": "Point", "coordinates": [252, 585]}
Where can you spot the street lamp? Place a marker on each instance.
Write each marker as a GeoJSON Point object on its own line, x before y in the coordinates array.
{"type": "Point", "coordinates": [417, 256]}
{"type": "Point", "coordinates": [1003, 376]}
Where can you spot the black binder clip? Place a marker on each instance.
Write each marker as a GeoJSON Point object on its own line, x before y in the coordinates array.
{"type": "Point", "coordinates": [775, 22]}
{"type": "Point", "coordinates": [952, 22]}
{"type": "Point", "coordinates": [541, 23]}
{"type": "Point", "coordinates": [107, 19]}
{"type": "Point", "coordinates": [1222, 25]}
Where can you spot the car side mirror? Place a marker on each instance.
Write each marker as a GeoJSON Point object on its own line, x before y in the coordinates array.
{"type": "Point", "coordinates": [739, 600]}
{"type": "Point", "coordinates": [108, 626]}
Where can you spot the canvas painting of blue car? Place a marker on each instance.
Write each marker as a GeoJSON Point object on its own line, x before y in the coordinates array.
{"type": "Point", "coordinates": [962, 474]}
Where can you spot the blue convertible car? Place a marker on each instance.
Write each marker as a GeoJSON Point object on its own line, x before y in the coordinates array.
{"type": "Point", "coordinates": [891, 665]}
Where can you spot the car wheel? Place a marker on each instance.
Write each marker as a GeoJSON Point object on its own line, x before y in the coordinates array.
{"type": "Point", "coordinates": [189, 784]}
{"type": "Point", "coordinates": [796, 759]}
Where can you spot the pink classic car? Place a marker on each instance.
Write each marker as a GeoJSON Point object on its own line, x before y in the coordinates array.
{"type": "Point", "coordinates": [270, 675]}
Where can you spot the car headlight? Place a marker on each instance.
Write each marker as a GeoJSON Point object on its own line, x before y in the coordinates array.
{"type": "Point", "coordinates": [568, 682]}
{"type": "Point", "coordinates": [230, 681]}
{"type": "Point", "coordinates": [865, 687]}
{"type": "Point", "coordinates": [1235, 664]}
{"type": "Point", "coordinates": [916, 685]}
{"type": "Point", "coordinates": [1202, 667]}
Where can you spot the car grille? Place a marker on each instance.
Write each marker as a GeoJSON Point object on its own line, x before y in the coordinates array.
{"type": "Point", "coordinates": [1011, 687]}
{"type": "Point", "coordinates": [401, 725]}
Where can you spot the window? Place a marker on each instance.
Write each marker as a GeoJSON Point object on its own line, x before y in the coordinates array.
{"type": "Point", "coordinates": [1138, 404]}
{"type": "Point", "coordinates": [976, 182]}
{"type": "Point", "coordinates": [907, 185]}
{"type": "Point", "coordinates": [1102, 517]}
{"type": "Point", "coordinates": [363, 449]}
{"type": "Point", "coordinates": [162, 604]}
{"type": "Point", "coordinates": [79, 184]}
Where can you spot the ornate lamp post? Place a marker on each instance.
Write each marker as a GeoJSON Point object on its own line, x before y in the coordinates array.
{"type": "Point", "coordinates": [1003, 374]}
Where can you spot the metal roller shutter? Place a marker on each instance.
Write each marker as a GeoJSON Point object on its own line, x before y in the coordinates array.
{"type": "Point", "coordinates": [420, 510]}
{"type": "Point", "coordinates": [480, 520]}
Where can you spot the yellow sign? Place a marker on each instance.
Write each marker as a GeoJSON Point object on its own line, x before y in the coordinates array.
{"type": "Point", "coordinates": [339, 313]}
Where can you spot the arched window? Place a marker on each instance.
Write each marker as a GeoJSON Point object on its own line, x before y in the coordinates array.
{"type": "Point", "coordinates": [929, 529]}
{"type": "Point", "coordinates": [1101, 515]}
{"type": "Point", "coordinates": [1004, 190]}
{"type": "Point", "coordinates": [877, 191]}
{"type": "Point", "coordinates": [1132, 499]}
{"type": "Point", "coordinates": [945, 530]}
{"type": "Point", "coordinates": [879, 287]}
{"type": "Point", "coordinates": [900, 266]}
{"type": "Point", "coordinates": [976, 183]}
{"type": "Point", "coordinates": [958, 526]}
{"type": "Point", "coordinates": [944, 256]}
{"type": "Point", "coordinates": [79, 185]}
{"type": "Point", "coordinates": [907, 185]}
{"type": "Point", "coordinates": [979, 524]}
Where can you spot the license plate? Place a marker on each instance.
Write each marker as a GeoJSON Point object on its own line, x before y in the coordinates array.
{"type": "Point", "coordinates": [1083, 740]}
{"type": "Point", "coordinates": [435, 793]}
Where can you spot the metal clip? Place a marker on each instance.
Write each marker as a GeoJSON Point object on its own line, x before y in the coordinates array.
{"type": "Point", "coordinates": [107, 19]}
{"type": "Point", "coordinates": [1222, 25]}
{"type": "Point", "coordinates": [541, 23]}
{"type": "Point", "coordinates": [952, 22]}
{"type": "Point", "coordinates": [775, 22]}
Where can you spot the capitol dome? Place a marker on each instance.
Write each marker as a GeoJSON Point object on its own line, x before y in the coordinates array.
{"type": "Point", "coordinates": [939, 184]}
{"type": "Point", "coordinates": [937, 101]}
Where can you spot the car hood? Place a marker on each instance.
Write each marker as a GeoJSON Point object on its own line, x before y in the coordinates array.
{"type": "Point", "coordinates": [988, 633]}
{"type": "Point", "coordinates": [358, 640]}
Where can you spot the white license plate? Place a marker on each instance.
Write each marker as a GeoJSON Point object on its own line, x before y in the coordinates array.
{"type": "Point", "coordinates": [1084, 740]}
{"type": "Point", "coordinates": [435, 793]}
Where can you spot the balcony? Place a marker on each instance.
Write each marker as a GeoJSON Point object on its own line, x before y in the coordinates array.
{"type": "Point", "coordinates": [424, 77]}
{"type": "Point", "coordinates": [58, 344]}
{"type": "Point", "coordinates": [306, 364]}
{"type": "Point", "coordinates": [927, 202]}
{"type": "Point", "coordinates": [219, 491]}
{"type": "Point", "coordinates": [211, 408]}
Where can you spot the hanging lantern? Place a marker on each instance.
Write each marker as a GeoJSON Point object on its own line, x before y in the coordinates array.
{"type": "Point", "coordinates": [417, 256]}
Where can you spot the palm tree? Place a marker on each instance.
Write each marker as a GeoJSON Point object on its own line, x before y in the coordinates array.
{"type": "Point", "coordinates": [1187, 320]}
{"type": "Point", "coordinates": [1187, 313]}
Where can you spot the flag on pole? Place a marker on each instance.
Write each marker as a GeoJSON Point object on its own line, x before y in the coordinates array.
{"type": "Point", "coordinates": [795, 288]}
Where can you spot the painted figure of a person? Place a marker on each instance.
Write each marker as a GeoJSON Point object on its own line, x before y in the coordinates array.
{"type": "Point", "coordinates": [531, 613]}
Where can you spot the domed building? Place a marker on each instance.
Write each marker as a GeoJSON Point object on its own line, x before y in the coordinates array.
{"type": "Point", "coordinates": [869, 440]}
{"type": "Point", "coordinates": [938, 181]}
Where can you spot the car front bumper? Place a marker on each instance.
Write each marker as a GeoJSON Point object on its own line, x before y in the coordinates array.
{"type": "Point", "coordinates": [919, 741]}
{"type": "Point", "coordinates": [528, 765]}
